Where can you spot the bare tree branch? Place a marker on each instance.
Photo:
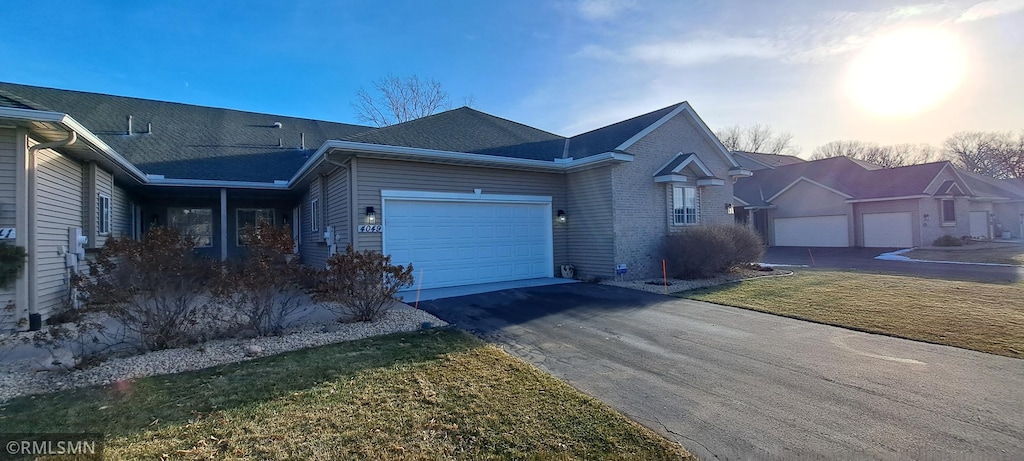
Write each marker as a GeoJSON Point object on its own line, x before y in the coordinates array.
{"type": "Point", "coordinates": [996, 154]}
{"type": "Point", "coordinates": [757, 138]}
{"type": "Point", "coordinates": [397, 100]}
{"type": "Point", "coordinates": [887, 156]}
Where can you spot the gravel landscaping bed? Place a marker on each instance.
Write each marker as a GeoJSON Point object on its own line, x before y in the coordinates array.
{"type": "Point", "coordinates": [676, 285]}
{"type": "Point", "coordinates": [17, 378]}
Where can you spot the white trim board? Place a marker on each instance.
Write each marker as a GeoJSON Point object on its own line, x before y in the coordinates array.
{"type": "Point", "coordinates": [816, 183]}
{"type": "Point", "coordinates": [683, 107]}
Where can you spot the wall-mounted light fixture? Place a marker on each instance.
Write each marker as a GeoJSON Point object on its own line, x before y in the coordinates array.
{"type": "Point", "coordinates": [728, 208]}
{"type": "Point", "coordinates": [561, 216]}
{"type": "Point", "coordinates": [371, 215]}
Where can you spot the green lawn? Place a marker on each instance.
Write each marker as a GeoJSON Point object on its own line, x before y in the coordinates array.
{"type": "Point", "coordinates": [427, 395]}
{"type": "Point", "coordinates": [987, 317]}
{"type": "Point", "coordinates": [981, 252]}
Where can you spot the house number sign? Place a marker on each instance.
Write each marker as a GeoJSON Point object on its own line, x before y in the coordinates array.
{"type": "Point", "coordinates": [369, 228]}
{"type": "Point", "coordinates": [7, 233]}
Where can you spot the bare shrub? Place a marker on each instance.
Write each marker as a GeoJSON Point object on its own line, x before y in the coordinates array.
{"type": "Point", "coordinates": [259, 292]}
{"type": "Point", "coordinates": [947, 241]}
{"type": "Point", "coordinates": [361, 284]}
{"type": "Point", "coordinates": [153, 286]}
{"type": "Point", "coordinates": [704, 251]}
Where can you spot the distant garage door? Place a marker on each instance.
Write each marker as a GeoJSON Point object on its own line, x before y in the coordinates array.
{"type": "Point", "coordinates": [888, 230]}
{"type": "Point", "coordinates": [812, 231]}
{"type": "Point", "coordinates": [464, 239]}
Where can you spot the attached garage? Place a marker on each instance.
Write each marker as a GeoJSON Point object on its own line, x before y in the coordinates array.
{"type": "Point", "coordinates": [888, 230]}
{"type": "Point", "coordinates": [462, 239]}
{"type": "Point", "coordinates": [812, 231]}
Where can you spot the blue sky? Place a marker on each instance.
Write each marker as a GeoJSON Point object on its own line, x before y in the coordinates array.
{"type": "Point", "coordinates": [563, 66]}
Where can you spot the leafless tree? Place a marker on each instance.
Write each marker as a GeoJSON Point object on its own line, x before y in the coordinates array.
{"type": "Point", "coordinates": [757, 138]}
{"type": "Point", "coordinates": [996, 154]}
{"type": "Point", "coordinates": [396, 100]}
{"type": "Point", "coordinates": [891, 156]}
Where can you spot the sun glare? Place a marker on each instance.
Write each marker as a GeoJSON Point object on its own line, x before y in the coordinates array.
{"type": "Point", "coordinates": [906, 72]}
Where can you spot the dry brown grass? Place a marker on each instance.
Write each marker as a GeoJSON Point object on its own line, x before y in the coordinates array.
{"type": "Point", "coordinates": [985, 317]}
{"type": "Point", "coordinates": [981, 252]}
{"type": "Point", "coordinates": [440, 394]}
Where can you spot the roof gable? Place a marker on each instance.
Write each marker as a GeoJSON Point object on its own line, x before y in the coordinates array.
{"type": "Point", "coordinates": [688, 112]}
{"type": "Point", "coordinates": [470, 131]}
{"type": "Point", "coordinates": [609, 138]}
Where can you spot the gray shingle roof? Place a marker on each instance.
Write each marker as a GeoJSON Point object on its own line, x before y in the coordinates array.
{"type": "Point", "coordinates": [189, 142]}
{"type": "Point", "coordinates": [606, 139]}
{"type": "Point", "coordinates": [861, 180]}
{"type": "Point", "coordinates": [757, 161]}
{"type": "Point", "coordinates": [471, 131]}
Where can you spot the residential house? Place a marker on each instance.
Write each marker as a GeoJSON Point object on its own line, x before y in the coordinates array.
{"type": "Point", "coordinates": [464, 196]}
{"type": "Point", "coordinates": [843, 202]}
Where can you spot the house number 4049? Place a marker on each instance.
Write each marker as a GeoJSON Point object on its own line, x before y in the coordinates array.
{"type": "Point", "coordinates": [366, 228]}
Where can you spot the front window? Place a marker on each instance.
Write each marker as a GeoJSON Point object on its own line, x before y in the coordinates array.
{"type": "Point", "coordinates": [251, 217]}
{"type": "Point", "coordinates": [314, 215]}
{"type": "Point", "coordinates": [684, 205]}
{"type": "Point", "coordinates": [103, 220]}
{"type": "Point", "coordinates": [196, 223]}
{"type": "Point", "coordinates": [948, 212]}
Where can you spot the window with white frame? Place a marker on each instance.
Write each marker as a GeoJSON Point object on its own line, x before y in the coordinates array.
{"type": "Point", "coordinates": [314, 214]}
{"type": "Point", "coordinates": [251, 217]}
{"type": "Point", "coordinates": [297, 225]}
{"type": "Point", "coordinates": [948, 212]}
{"type": "Point", "coordinates": [684, 205]}
{"type": "Point", "coordinates": [103, 214]}
{"type": "Point", "coordinates": [196, 223]}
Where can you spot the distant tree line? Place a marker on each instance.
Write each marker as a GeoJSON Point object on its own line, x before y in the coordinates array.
{"type": "Point", "coordinates": [991, 153]}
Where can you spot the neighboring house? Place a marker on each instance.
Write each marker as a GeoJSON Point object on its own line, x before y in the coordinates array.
{"type": "Point", "coordinates": [842, 202]}
{"type": "Point", "coordinates": [465, 196]}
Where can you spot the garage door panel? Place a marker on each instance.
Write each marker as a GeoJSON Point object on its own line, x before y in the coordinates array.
{"type": "Point", "coordinates": [458, 243]}
{"type": "Point", "coordinates": [888, 230]}
{"type": "Point", "coordinates": [812, 231]}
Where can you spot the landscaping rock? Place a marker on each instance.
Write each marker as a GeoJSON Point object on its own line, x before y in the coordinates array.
{"type": "Point", "coordinates": [253, 350]}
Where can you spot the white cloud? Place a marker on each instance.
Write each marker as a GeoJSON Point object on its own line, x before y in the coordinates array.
{"type": "Point", "coordinates": [596, 10]}
{"type": "Point", "coordinates": [688, 53]}
{"type": "Point", "coordinates": [990, 9]}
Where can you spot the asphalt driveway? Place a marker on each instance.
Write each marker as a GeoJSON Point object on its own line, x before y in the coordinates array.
{"type": "Point", "coordinates": [729, 383]}
{"type": "Point", "coordinates": [863, 259]}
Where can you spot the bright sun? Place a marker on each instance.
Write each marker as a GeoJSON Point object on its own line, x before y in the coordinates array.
{"type": "Point", "coordinates": [906, 72]}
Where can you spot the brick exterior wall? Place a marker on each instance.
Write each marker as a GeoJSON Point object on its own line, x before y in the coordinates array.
{"type": "Point", "coordinates": [642, 209]}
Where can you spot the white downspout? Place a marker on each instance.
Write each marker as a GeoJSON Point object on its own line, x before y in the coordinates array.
{"type": "Point", "coordinates": [33, 242]}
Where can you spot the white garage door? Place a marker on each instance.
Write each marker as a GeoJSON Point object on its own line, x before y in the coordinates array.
{"type": "Point", "coordinates": [888, 230]}
{"type": "Point", "coordinates": [812, 231]}
{"type": "Point", "coordinates": [979, 224]}
{"type": "Point", "coordinates": [455, 243]}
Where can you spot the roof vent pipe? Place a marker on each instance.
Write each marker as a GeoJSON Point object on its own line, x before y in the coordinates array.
{"type": "Point", "coordinates": [277, 125]}
{"type": "Point", "coordinates": [149, 128]}
{"type": "Point", "coordinates": [280, 143]}
{"type": "Point", "coordinates": [302, 141]}
{"type": "Point", "coordinates": [129, 132]}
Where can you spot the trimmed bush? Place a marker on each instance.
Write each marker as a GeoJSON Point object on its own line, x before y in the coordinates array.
{"type": "Point", "coordinates": [12, 262]}
{"type": "Point", "coordinates": [704, 251]}
{"type": "Point", "coordinates": [361, 284]}
{"type": "Point", "coordinates": [947, 241]}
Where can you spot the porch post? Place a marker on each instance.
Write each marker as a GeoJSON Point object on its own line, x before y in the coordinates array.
{"type": "Point", "coordinates": [223, 224]}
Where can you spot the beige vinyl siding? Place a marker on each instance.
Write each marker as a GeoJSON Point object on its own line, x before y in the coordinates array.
{"type": "Point", "coordinates": [8, 169]}
{"type": "Point", "coordinates": [312, 251]}
{"type": "Point", "coordinates": [338, 207]}
{"type": "Point", "coordinates": [105, 186]}
{"type": "Point", "coordinates": [375, 175]}
{"type": "Point", "coordinates": [58, 207]}
{"type": "Point", "coordinates": [120, 217]}
{"type": "Point", "coordinates": [590, 221]}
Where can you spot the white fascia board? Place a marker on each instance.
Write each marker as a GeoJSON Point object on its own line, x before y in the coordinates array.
{"type": "Point", "coordinates": [740, 173]}
{"type": "Point", "coordinates": [684, 107]}
{"type": "Point", "coordinates": [671, 178]}
{"type": "Point", "coordinates": [215, 183]}
{"type": "Point", "coordinates": [71, 124]}
{"type": "Point", "coordinates": [710, 182]}
{"type": "Point", "coordinates": [595, 161]}
{"type": "Point", "coordinates": [740, 201]}
{"type": "Point", "coordinates": [696, 161]}
{"type": "Point", "coordinates": [752, 159]}
{"type": "Point", "coordinates": [886, 199]}
{"type": "Point", "coordinates": [816, 183]}
{"type": "Point", "coordinates": [462, 197]}
{"type": "Point", "coordinates": [961, 178]}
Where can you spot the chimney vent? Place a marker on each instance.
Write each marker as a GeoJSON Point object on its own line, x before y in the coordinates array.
{"type": "Point", "coordinates": [149, 128]}
{"type": "Point", "coordinates": [279, 143]}
{"type": "Point", "coordinates": [129, 132]}
{"type": "Point", "coordinates": [278, 125]}
{"type": "Point", "coordinates": [302, 141]}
